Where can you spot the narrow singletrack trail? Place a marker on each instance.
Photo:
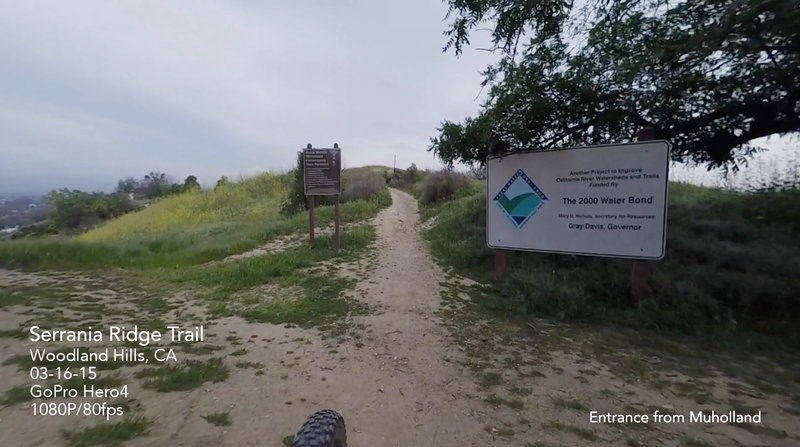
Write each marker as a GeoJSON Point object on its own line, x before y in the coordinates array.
{"type": "Point", "coordinates": [403, 368]}
{"type": "Point", "coordinates": [394, 376]}
{"type": "Point", "coordinates": [411, 392]}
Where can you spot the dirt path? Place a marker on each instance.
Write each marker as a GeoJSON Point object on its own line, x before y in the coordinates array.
{"type": "Point", "coordinates": [391, 372]}
{"type": "Point", "coordinates": [406, 388]}
{"type": "Point", "coordinates": [410, 371]}
{"type": "Point", "coordinates": [394, 379]}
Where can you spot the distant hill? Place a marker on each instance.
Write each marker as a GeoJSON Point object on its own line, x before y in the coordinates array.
{"type": "Point", "coordinates": [191, 228]}
{"type": "Point", "coordinates": [255, 198]}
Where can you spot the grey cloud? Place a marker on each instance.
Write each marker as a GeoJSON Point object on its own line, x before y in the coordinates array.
{"type": "Point", "coordinates": [95, 91]}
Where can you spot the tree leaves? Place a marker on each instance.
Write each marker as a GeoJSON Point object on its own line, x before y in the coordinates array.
{"type": "Point", "coordinates": [710, 75]}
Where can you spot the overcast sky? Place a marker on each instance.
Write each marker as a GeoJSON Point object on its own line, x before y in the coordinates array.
{"type": "Point", "coordinates": [92, 91]}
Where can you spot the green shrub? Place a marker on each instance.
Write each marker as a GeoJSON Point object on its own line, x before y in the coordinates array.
{"type": "Point", "coordinates": [363, 185]}
{"type": "Point", "coordinates": [733, 259]}
{"type": "Point", "coordinates": [184, 229]}
{"type": "Point", "coordinates": [357, 184]}
{"type": "Point", "coordinates": [251, 199]}
{"type": "Point", "coordinates": [296, 199]}
{"type": "Point", "coordinates": [442, 185]}
{"type": "Point", "coordinates": [404, 179]}
{"type": "Point", "coordinates": [73, 209]}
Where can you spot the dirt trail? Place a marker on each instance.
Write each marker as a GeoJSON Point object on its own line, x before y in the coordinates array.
{"type": "Point", "coordinates": [400, 375]}
{"type": "Point", "coordinates": [391, 373]}
{"type": "Point", "coordinates": [410, 391]}
{"type": "Point", "coordinates": [392, 382]}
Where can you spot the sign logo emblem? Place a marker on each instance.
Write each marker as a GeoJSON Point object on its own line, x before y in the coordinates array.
{"type": "Point", "coordinates": [520, 199]}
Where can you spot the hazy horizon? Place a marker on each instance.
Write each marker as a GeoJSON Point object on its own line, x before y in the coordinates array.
{"type": "Point", "coordinates": [98, 91]}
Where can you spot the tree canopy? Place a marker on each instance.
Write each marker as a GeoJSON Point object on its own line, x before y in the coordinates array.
{"type": "Point", "coordinates": [191, 184]}
{"type": "Point", "coordinates": [73, 209]}
{"type": "Point", "coordinates": [156, 184]}
{"type": "Point", "coordinates": [127, 185]}
{"type": "Point", "coordinates": [708, 75]}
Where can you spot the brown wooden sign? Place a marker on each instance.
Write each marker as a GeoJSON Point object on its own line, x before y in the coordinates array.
{"type": "Point", "coordinates": [322, 174]}
{"type": "Point", "coordinates": [322, 171]}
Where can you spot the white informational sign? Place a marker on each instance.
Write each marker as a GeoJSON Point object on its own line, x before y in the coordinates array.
{"type": "Point", "coordinates": [596, 201]}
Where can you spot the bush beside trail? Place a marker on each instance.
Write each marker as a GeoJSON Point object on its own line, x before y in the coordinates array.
{"type": "Point", "coordinates": [733, 260]}
{"type": "Point", "coordinates": [364, 183]}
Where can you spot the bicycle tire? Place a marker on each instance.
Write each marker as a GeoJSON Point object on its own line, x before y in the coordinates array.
{"type": "Point", "coordinates": [322, 429]}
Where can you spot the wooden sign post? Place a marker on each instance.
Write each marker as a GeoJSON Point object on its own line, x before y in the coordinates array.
{"type": "Point", "coordinates": [322, 173]}
{"type": "Point", "coordinates": [336, 223]}
{"type": "Point", "coordinates": [640, 269]}
{"type": "Point", "coordinates": [499, 267]}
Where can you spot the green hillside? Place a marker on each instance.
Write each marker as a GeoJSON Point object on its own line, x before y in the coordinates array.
{"type": "Point", "coordinates": [250, 200]}
{"type": "Point", "coordinates": [171, 246]}
{"type": "Point", "coordinates": [186, 229]}
{"type": "Point", "coordinates": [733, 260]}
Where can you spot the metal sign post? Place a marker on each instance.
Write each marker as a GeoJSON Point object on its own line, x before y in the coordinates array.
{"type": "Point", "coordinates": [322, 173]}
